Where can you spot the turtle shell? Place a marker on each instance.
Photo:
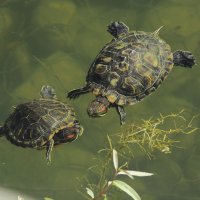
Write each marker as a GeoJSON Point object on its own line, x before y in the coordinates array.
{"type": "Point", "coordinates": [34, 123]}
{"type": "Point", "coordinates": [130, 67]}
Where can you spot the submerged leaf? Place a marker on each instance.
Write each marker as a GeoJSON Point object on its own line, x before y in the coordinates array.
{"type": "Point", "coordinates": [109, 183]}
{"type": "Point", "coordinates": [115, 159]}
{"type": "Point", "coordinates": [110, 142]}
{"type": "Point", "coordinates": [90, 192]}
{"type": "Point", "coordinates": [126, 188]}
{"type": "Point", "coordinates": [105, 198]}
{"type": "Point", "coordinates": [135, 173]}
{"type": "Point", "coordinates": [47, 198]}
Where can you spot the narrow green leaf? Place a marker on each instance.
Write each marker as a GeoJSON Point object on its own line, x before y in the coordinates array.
{"type": "Point", "coordinates": [125, 172]}
{"type": "Point", "coordinates": [115, 159]}
{"type": "Point", "coordinates": [105, 198]}
{"type": "Point", "coordinates": [135, 173]}
{"type": "Point", "coordinates": [90, 192]}
{"type": "Point", "coordinates": [109, 141]}
{"type": "Point", "coordinates": [47, 198]}
{"type": "Point", "coordinates": [126, 188]}
{"type": "Point", "coordinates": [109, 183]}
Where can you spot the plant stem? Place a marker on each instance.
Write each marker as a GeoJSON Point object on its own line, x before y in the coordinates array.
{"type": "Point", "coordinates": [103, 192]}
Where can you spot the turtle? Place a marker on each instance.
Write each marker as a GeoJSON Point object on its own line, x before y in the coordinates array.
{"type": "Point", "coordinates": [129, 68]}
{"type": "Point", "coordinates": [42, 123]}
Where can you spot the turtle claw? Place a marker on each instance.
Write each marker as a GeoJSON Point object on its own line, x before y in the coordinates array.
{"type": "Point", "coordinates": [48, 159]}
{"type": "Point", "coordinates": [122, 122]}
{"type": "Point", "coordinates": [122, 114]}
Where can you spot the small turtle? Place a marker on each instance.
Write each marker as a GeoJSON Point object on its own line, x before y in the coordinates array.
{"type": "Point", "coordinates": [129, 68]}
{"type": "Point", "coordinates": [42, 123]}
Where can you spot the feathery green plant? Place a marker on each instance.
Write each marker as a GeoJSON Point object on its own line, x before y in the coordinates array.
{"type": "Point", "coordinates": [150, 135]}
{"type": "Point", "coordinates": [156, 134]}
{"type": "Point", "coordinates": [153, 134]}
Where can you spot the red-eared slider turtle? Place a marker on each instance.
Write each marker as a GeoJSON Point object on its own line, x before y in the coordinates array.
{"type": "Point", "coordinates": [42, 123]}
{"type": "Point", "coordinates": [129, 68]}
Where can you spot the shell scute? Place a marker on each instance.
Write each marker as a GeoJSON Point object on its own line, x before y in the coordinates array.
{"type": "Point", "coordinates": [113, 78]}
{"type": "Point", "coordinates": [101, 68]}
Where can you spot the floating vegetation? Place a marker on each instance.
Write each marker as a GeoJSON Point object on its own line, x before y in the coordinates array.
{"type": "Point", "coordinates": [153, 134]}
{"type": "Point", "coordinates": [156, 134]}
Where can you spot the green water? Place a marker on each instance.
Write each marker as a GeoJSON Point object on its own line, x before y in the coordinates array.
{"type": "Point", "coordinates": [54, 42]}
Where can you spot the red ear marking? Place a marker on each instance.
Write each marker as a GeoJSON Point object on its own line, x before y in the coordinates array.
{"type": "Point", "coordinates": [102, 109]}
{"type": "Point", "coordinates": [70, 136]}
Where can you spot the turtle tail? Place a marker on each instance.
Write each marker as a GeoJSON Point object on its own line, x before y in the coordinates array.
{"type": "Point", "coordinates": [1, 131]}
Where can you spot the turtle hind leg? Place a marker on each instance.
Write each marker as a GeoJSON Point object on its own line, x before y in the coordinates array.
{"type": "Point", "coordinates": [49, 150]}
{"type": "Point", "coordinates": [183, 58]}
{"type": "Point", "coordinates": [117, 28]}
{"type": "Point", "coordinates": [47, 92]}
{"type": "Point", "coordinates": [77, 92]}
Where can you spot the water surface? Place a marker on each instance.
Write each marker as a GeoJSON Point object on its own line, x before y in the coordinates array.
{"type": "Point", "coordinates": [54, 42]}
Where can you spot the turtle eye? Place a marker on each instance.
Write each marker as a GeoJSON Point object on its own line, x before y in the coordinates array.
{"type": "Point", "coordinates": [76, 122]}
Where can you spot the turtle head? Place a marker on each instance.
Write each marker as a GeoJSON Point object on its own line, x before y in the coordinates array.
{"type": "Point", "coordinates": [69, 133]}
{"type": "Point", "coordinates": [117, 28]}
{"type": "Point", "coordinates": [98, 107]}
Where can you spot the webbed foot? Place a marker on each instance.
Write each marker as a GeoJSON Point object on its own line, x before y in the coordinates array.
{"type": "Point", "coordinates": [117, 28]}
{"type": "Point", "coordinates": [47, 92]}
{"type": "Point", "coordinates": [49, 150]}
{"type": "Point", "coordinates": [183, 58]}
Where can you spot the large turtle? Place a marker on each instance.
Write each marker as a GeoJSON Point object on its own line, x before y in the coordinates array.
{"type": "Point", "coordinates": [129, 68]}
{"type": "Point", "coordinates": [42, 123]}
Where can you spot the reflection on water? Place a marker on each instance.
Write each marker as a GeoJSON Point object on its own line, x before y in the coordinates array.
{"type": "Point", "coordinates": [12, 195]}
{"type": "Point", "coordinates": [54, 42]}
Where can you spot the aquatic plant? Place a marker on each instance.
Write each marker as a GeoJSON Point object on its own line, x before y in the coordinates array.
{"type": "Point", "coordinates": [118, 170]}
{"type": "Point", "coordinates": [150, 135]}
{"type": "Point", "coordinates": [156, 134]}
{"type": "Point", "coordinates": [47, 198]}
{"type": "Point", "coordinates": [153, 134]}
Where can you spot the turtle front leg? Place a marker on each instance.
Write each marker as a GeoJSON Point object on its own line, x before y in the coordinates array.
{"type": "Point", "coordinates": [122, 114]}
{"type": "Point", "coordinates": [49, 150]}
{"type": "Point", "coordinates": [183, 58]}
{"type": "Point", "coordinates": [77, 92]}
